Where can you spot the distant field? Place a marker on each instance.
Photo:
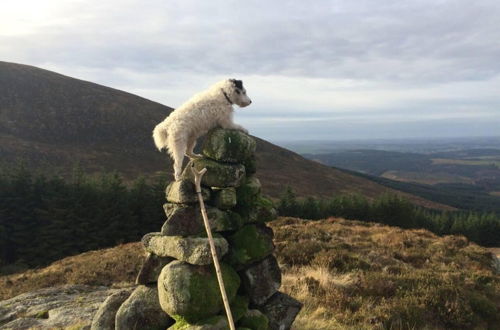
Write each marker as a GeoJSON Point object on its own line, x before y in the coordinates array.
{"type": "Point", "coordinates": [426, 178]}
{"type": "Point", "coordinates": [484, 161]}
{"type": "Point", "coordinates": [495, 193]}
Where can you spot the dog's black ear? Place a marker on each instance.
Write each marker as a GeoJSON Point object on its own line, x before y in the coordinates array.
{"type": "Point", "coordinates": [237, 83]}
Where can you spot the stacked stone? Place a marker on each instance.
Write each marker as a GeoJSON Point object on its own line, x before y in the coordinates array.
{"type": "Point", "coordinates": [179, 262]}
{"type": "Point", "coordinates": [187, 286]}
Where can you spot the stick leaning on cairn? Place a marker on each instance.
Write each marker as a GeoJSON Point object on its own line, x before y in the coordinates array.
{"type": "Point", "coordinates": [197, 183]}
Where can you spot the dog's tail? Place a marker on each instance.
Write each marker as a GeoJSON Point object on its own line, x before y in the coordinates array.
{"type": "Point", "coordinates": [160, 136]}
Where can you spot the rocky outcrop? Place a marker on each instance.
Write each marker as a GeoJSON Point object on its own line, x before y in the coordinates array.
{"type": "Point", "coordinates": [61, 307]}
{"type": "Point", "coordinates": [179, 263]}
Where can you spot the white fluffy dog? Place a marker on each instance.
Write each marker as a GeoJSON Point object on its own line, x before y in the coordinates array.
{"type": "Point", "coordinates": [204, 111]}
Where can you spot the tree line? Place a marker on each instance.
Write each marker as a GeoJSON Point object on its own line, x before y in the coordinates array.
{"type": "Point", "coordinates": [392, 210]}
{"type": "Point", "coordinates": [43, 219]}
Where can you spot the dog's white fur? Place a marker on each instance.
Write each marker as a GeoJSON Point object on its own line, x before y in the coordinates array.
{"type": "Point", "coordinates": [204, 111]}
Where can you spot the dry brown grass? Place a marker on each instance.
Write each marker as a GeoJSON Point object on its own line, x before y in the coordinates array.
{"type": "Point", "coordinates": [114, 266]}
{"type": "Point", "coordinates": [348, 274]}
{"type": "Point", "coordinates": [355, 275]}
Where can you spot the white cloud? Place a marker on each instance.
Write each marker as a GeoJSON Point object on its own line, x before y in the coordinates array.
{"type": "Point", "coordinates": [301, 61]}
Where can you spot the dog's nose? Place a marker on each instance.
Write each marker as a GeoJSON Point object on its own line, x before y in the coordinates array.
{"type": "Point", "coordinates": [250, 102]}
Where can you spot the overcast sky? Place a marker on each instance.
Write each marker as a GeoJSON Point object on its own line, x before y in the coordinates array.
{"type": "Point", "coordinates": [314, 69]}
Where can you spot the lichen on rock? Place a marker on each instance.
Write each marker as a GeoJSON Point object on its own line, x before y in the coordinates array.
{"type": "Point", "coordinates": [183, 192]}
{"type": "Point", "coordinates": [249, 244]}
{"type": "Point", "coordinates": [193, 250]}
{"type": "Point", "coordinates": [142, 310]}
{"type": "Point", "coordinates": [218, 174]}
{"type": "Point", "coordinates": [192, 293]}
{"type": "Point", "coordinates": [229, 146]}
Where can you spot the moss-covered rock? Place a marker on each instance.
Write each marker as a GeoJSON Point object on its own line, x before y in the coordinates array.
{"type": "Point", "coordinates": [192, 293]}
{"type": "Point", "coordinates": [193, 250]}
{"type": "Point", "coordinates": [184, 192]}
{"type": "Point", "coordinates": [231, 146]}
{"type": "Point", "coordinates": [217, 175]}
{"type": "Point", "coordinates": [249, 244]}
{"type": "Point", "coordinates": [224, 198]}
{"type": "Point", "coordinates": [262, 211]}
{"type": "Point", "coordinates": [217, 322]}
{"type": "Point", "coordinates": [248, 191]}
{"type": "Point", "coordinates": [258, 209]}
{"type": "Point", "coordinates": [186, 220]}
{"type": "Point", "coordinates": [255, 320]}
{"type": "Point", "coordinates": [239, 307]}
{"type": "Point", "coordinates": [250, 164]}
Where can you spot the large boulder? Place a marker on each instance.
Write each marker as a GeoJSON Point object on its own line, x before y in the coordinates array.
{"type": "Point", "coordinates": [229, 146]}
{"type": "Point", "coordinates": [142, 310]}
{"type": "Point", "coordinates": [249, 244]}
{"type": "Point", "coordinates": [104, 319]}
{"type": "Point", "coordinates": [261, 280]}
{"type": "Point", "coordinates": [281, 310]}
{"type": "Point", "coordinates": [151, 268]}
{"type": "Point", "coordinates": [57, 307]}
{"type": "Point", "coordinates": [184, 220]}
{"type": "Point", "coordinates": [193, 250]}
{"type": "Point", "coordinates": [184, 192]}
{"type": "Point", "coordinates": [217, 175]}
{"type": "Point", "coordinates": [191, 293]}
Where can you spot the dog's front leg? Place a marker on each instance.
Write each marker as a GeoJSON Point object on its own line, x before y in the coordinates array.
{"type": "Point", "coordinates": [228, 124]}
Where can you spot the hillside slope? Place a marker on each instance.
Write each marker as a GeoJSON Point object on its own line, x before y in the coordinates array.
{"type": "Point", "coordinates": [348, 274]}
{"type": "Point", "coordinates": [52, 121]}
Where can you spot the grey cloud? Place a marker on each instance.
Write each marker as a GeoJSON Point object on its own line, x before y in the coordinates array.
{"type": "Point", "coordinates": [411, 42]}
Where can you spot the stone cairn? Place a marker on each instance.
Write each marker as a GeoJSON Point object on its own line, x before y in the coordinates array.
{"type": "Point", "coordinates": [178, 287]}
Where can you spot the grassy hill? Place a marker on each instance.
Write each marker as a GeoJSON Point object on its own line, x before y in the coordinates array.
{"type": "Point", "coordinates": [348, 274]}
{"type": "Point", "coordinates": [52, 122]}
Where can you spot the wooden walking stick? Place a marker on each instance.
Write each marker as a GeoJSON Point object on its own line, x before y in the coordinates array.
{"type": "Point", "coordinates": [197, 183]}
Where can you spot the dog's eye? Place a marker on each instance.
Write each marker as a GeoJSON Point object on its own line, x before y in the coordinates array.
{"type": "Point", "coordinates": [237, 91]}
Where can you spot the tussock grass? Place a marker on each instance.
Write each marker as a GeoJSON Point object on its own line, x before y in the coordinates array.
{"type": "Point", "coordinates": [348, 274]}
{"type": "Point", "coordinates": [356, 275]}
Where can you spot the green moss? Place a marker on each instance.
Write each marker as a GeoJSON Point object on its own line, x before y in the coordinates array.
{"type": "Point", "coordinates": [256, 209]}
{"type": "Point", "coordinates": [254, 320]}
{"type": "Point", "coordinates": [214, 322]}
{"type": "Point", "coordinates": [239, 307]}
{"type": "Point", "coordinates": [247, 192]}
{"type": "Point", "coordinates": [218, 174]}
{"type": "Point", "coordinates": [249, 244]}
{"type": "Point", "coordinates": [228, 145]}
{"type": "Point", "coordinates": [204, 292]}
{"type": "Point", "coordinates": [250, 164]}
{"type": "Point", "coordinates": [41, 315]}
{"type": "Point", "coordinates": [224, 198]}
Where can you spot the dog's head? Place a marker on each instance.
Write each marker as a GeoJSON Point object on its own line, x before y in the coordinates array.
{"type": "Point", "coordinates": [236, 93]}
